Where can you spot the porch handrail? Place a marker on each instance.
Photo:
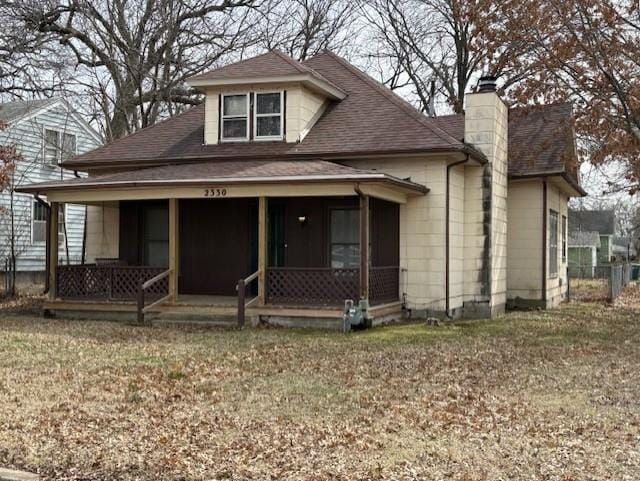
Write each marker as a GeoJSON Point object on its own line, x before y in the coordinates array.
{"type": "Point", "coordinates": [142, 287]}
{"type": "Point", "coordinates": [241, 287]}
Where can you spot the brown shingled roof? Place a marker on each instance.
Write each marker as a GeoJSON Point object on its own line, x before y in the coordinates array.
{"type": "Point", "coordinates": [229, 172]}
{"type": "Point", "coordinates": [541, 139]}
{"type": "Point", "coordinates": [370, 120]}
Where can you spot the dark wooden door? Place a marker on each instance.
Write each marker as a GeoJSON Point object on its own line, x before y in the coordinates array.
{"type": "Point", "coordinates": [216, 248]}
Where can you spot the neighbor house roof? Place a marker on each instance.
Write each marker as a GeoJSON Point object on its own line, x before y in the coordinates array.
{"type": "Point", "coordinates": [584, 238]}
{"type": "Point", "coordinates": [541, 140]}
{"type": "Point", "coordinates": [229, 172]}
{"type": "Point", "coordinates": [602, 221]}
{"type": "Point", "coordinates": [10, 111]}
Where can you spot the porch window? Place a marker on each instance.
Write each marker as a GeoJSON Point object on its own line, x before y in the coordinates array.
{"type": "Point", "coordinates": [39, 223]}
{"type": "Point", "coordinates": [345, 239]}
{"type": "Point", "coordinates": [235, 117]}
{"type": "Point", "coordinates": [268, 116]}
{"type": "Point", "coordinates": [156, 237]}
{"type": "Point", "coordinates": [553, 243]}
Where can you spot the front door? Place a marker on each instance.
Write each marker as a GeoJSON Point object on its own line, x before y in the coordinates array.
{"type": "Point", "coordinates": [216, 248]}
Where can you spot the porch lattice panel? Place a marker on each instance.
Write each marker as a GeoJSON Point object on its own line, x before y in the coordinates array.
{"type": "Point", "coordinates": [384, 284]}
{"type": "Point", "coordinates": [105, 282]}
{"type": "Point", "coordinates": [312, 286]}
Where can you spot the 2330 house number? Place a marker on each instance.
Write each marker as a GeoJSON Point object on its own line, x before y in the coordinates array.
{"type": "Point", "coordinates": [217, 192]}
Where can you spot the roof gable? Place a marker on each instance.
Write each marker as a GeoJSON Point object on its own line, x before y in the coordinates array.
{"type": "Point", "coordinates": [602, 221]}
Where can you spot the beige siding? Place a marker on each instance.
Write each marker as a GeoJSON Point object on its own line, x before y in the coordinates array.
{"type": "Point", "coordinates": [303, 108]}
{"type": "Point", "coordinates": [556, 284]}
{"type": "Point", "coordinates": [103, 230]}
{"type": "Point", "coordinates": [422, 230]}
{"type": "Point", "coordinates": [456, 236]}
{"type": "Point", "coordinates": [524, 244]}
{"type": "Point", "coordinates": [474, 235]}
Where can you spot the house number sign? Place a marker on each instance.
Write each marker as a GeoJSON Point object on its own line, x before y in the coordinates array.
{"type": "Point", "coordinates": [215, 192]}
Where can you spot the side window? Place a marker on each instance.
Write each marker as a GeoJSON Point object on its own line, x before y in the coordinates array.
{"type": "Point", "coordinates": [553, 243]}
{"type": "Point", "coordinates": [69, 146]}
{"type": "Point", "coordinates": [39, 223]}
{"type": "Point", "coordinates": [564, 239]}
{"type": "Point", "coordinates": [51, 146]}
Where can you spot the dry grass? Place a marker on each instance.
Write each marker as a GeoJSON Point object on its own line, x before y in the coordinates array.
{"type": "Point", "coordinates": [549, 395]}
{"type": "Point", "coordinates": [590, 290]}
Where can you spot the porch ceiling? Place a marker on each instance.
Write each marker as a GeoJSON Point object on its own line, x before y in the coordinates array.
{"type": "Point", "coordinates": [230, 179]}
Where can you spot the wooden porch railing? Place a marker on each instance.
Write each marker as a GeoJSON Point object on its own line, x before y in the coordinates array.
{"type": "Point", "coordinates": [241, 287]}
{"type": "Point", "coordinates": [143, 287]}
{"type": "Point", "coordinates": [107, 282]}
{"type": "Point", "coordinates": [329, 286]}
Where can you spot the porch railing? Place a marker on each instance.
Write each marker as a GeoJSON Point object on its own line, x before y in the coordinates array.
{"type": "Point", "coordinates": [149, 285]}
{"type": "Point", "coordinates": [241, 287]}
{"type": "Point", "coordinates": [329, 286]}
{"type": "Point", "coordinates": [108, 282]}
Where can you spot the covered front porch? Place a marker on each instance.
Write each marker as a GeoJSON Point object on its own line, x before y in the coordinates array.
{"type": "Point", "coordinates": [297, 250]}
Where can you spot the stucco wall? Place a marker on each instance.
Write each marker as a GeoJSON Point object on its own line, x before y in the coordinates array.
{"type": "Point", "coordinates": [103, 231]}
{"type": "Point", "coordinates": [302, 108]}
{"type": "Point", "coordinates": [524, 241]}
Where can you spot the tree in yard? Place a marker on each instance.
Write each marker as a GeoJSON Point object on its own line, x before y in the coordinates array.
{"type": "Point", "coordinates": [131, 57]}
{"type": "Point", "coordinates": [588, 52]}
{"type": "Point", "coordinates": [303, 28]}
{"type": "Point", "coordinates": [438, 47]}
{"type": "Point", "coordinates": [8, 158]}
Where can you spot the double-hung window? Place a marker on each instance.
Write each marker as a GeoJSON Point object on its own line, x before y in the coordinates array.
{"type": "Point", "coordinates": [58, 146]}
{"type": "Point", "coordinates": [553, 243]}
{"type": "Point", "coordinates": [268, 115]}
{"type": "Point", "coordinates": [235, 117]}
{"type": "Point", "coordinates": [39, 223]}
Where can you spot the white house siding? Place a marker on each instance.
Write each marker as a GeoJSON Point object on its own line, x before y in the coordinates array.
{"type": "Point", "coordinates": [28, 134]}
{"type": "Point", "coordinates": [556, 284]}
{"type": "Point", "coordinates": [524, 244]}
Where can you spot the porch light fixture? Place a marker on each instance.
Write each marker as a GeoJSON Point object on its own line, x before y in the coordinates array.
{"type": "Point", "coordinates": [302, 219]}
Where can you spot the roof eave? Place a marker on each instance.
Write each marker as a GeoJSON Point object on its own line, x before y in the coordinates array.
{"type": "Point", "coordinates": [573, 184]}
{"type": "Point", "coordinates": [309, 80]}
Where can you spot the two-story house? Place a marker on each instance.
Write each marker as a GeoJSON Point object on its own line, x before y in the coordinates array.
{"type": "Point", "coordinates": [45, 134]}
{"type": "Point", "coordinates": [304, 184]}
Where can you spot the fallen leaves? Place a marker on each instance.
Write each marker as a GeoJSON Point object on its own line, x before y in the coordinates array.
{"type": "Point", "coordinates": [536, 395]}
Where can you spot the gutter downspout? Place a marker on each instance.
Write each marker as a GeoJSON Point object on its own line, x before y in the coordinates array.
{"type": "Point", "coordinates": [447, 234]}
{"type": "Point", "coordinates": [47, 254]}
{"type": "Point", "coordinates": [543, 297]}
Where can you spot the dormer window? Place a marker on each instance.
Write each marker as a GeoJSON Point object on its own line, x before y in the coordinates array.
{"type": "Point", "coordinates": [235, 117]}
{"type": "Point", "coordinates": [268, 115]}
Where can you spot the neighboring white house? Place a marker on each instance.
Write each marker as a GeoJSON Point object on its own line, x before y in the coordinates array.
{"type": "Point", "coordinates": [45, 133]}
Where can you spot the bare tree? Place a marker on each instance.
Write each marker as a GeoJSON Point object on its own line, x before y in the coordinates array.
{"type": "Point", "coordinates": [131, 57]}
{"type": "Point", "coordinates": [303, 28]}
{"type": "Point", "coordinates": [437, 47]}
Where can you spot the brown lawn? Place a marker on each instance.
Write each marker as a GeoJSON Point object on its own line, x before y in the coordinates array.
{"type": "Point", "coordinates": [540, 395]}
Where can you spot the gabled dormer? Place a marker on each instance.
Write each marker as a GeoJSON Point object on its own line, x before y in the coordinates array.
{"type": "Point", "coordinates": [266, 98]}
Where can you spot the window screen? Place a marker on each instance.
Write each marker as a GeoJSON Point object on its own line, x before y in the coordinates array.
{"type": "Point", "coordinates": [235, 116]}
{"type": "Point", "coordinates": [345, 242]}
{"type": "Point", "coordinates": [51, 146]}
{"type": "Point", "coordinates": [269, 115]}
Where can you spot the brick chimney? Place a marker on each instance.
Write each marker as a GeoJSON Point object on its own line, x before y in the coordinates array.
{"type": "Point", "coordinates": [486, 128]}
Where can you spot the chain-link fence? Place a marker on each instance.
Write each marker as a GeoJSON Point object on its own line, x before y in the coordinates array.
{"type": "Point", "coordinates": [599, 282]}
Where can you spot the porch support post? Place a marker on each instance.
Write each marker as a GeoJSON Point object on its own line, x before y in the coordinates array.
{"type": "Point", "coordinates": [52, 246]}
{"type": "Point", "coordinates": [364, 247]}
{"type": "Point", "coordinates": [262, 250]}
{"type": "Point", "coordinates": [174, 252]}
